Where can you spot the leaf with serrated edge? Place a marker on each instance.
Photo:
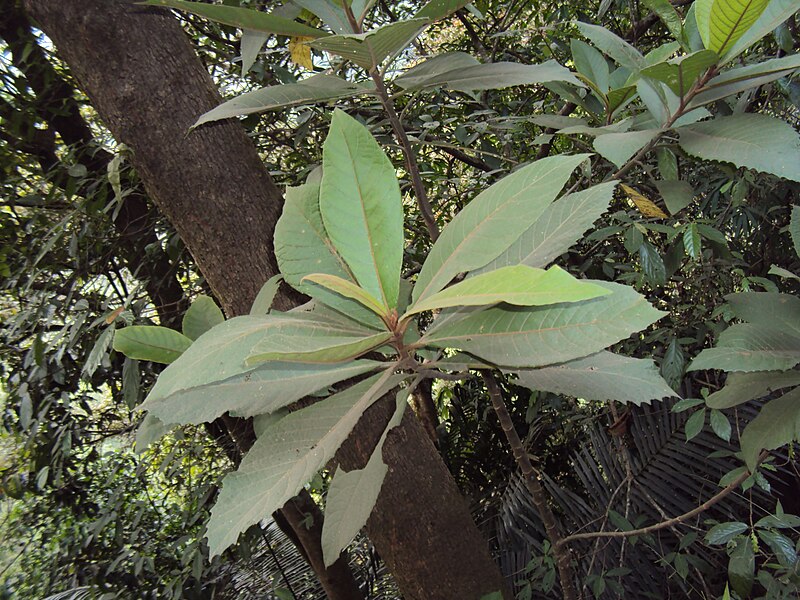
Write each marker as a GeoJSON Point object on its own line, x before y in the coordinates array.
{"type": "Point", "coordinates": [202, 315]}
{"type": "Point", "coordinates": [777, 424]}
{"type": "Point", "coordinates": [743, 387]}
{"type": "Point", "coordinates": [753, 141]}
{"type": "Point", "coordinates": [492, 221]}
{"type": "Point", "coordinates": [559, 227]}
{"type": "Point", "coordinates": [347, 289]}
{"type": "Point", "coordinates": [352, 495]}
{"type": "Point", "coordinates": [601, 376]}
{"type": "Point", "coordinates": [770, 308]}
{"type": "Point", "coordinates": [538, 336]}
{"type": "Point", "coordinates": [362, 208]}
{"type": "Point", "coordinates": [278, 465]}
{"type": "Point", "coordinates": [747, 347]}
{"type": "Point", "coordinates": [519, 285]}
{"type": "Point", "coordinates": [259, 391]}
{"type": "Point", "coordinates": [151, 342]}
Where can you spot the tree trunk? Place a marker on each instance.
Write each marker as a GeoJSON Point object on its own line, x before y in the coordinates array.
{"type": "Point", "coordinates": [148, 86]}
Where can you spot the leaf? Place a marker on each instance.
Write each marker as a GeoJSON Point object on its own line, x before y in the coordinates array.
{"type": "Point", "coordinates": [490, 76]}
{"type": "Point", "coordinates": [724, 532]}
{"type": "Point", "coordinates": [519, 285]}
{"type": "Point", "coordinates": [98, 351]}
{"type": "Point", "coordinates": [619, 147]}
{"type": "Point", "coordinates": [673, 365]}
{"type": "Point", "coordinates": [202, 315]}
{"type": "Point", "coordinates": [720, 425]}
{"type": "Point", "coordinates": [669, 16]}
{"type": "Point", "coordinates": [681, 73]}
{"type": "Point", "coordinates": [652, 264]}
{"type": "Point", "coordinates": [330, 12]}
{"type": "Point", "coordinates": [149, 431]}
{"type": "Point", "coordinates": [300, 52]}
{"type": "Point", "coordinates": [369, 49]}
{"type": "Point", "coordinates": [151, 342]}
{"type": "Point", "coordinates": [314, 89]}
{"type": "Point", "coordinates": [279, 464]}
{"type": "Point", "coordinates": [676, 194]}
{"type": "Point", "coordinates": [741, 568]}
{"type": "Point", "coordinates": [433, 67]}
{"type": "Point", "coordinates": [302, 247]}
{"type": "Point", "coordinates": [753, 141]}
{"type": "Point", "coordinates": [348, 289]}
{"type": "Point", "coordinates": [361, 207]}
{"type": "Point", "coordinates": [692, 242]}
{"type": "Point", "coordinates": [781, 272]}
{"type": "Point", "coordinates": [747, 347]}
{"type": "Point", "coordinates": [492, 221]}
{"type": "Point", "coordinates": [266, 296]}
{"type": "Point", "coordinates": [742, 387]}
{"type": "Point", "coordinates": [244, 18]}
{"type": "Point", "coordinates": [435, 10]}
{"type": "Point", "coordinates": [614, 46]}
{"type": "Point", "coordinates": [776, 12]}
{"type": "Point", "coordinates": [251, 43]}
{"type": "Point", "coordinates": [794, 229]}
{"type": "Point", "coordinates": [131, 382]}
{"type": "Point", "coordinates": [259, 391]}
{"type": "Point", "coordinates": [538, 336]}
{"type": "Point", "coordinates": [694, 424]}
{"type": "Point", "coordinates": [781, 546]}
{"type": "Point", "coordinates": [352, 495]}
{"type": "Point", "coordinates": [591, 64]}
{"type": "Point", "coordinates": [722, 22]}
{"type": "Point", "coordinates": [559, 227]}
{"type": "Point", "coordinates": [601, 376]}
{"type": "Point", "coordinates": [777, 424]}
{"type": "Point", "coordinates": [769, 308]}
{"type": "Point", "coordinates": [646, 206]}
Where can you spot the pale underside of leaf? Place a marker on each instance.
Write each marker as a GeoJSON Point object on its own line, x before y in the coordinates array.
{"type": "Point", "coordinates": [777, 424]}
{"type": "Point", "coordinates": [743, 387]}
{"type": "Point", "coordinates": [747, 347]}
{"type": "Point", "coordinates": [313, 344]}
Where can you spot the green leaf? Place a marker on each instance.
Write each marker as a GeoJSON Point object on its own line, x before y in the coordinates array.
{"type": "Point", "coordinates": [619, 147]}
{"type": "Point", "coordinates": [601, 376]}
{"type": "Point", "coordinates": [202, 315]}
{"type": "Point", "coordinates": [559, 227]}
{"type": "Point", "coordinates": [490, 76]}
{"type": "Point", "coordinates": [677, 194]}
{"type": "Point", "coordinates": [439, 9]}
{"type": "Point", "coordinates": [615, 99]}
{"type": "Point", "coordinates": [151, 342]}
{"type": "Point", "coordinates": [131, 382]}
{"type": "Point", "coordinates": [98, 351]}
{"type": "Point", "coordinates": [614, 46]}
{"type": "Point", "coordinates": [266, 296]}
{"type": "Point", "coordinates": [434, 67]}
{"type": "Point", "coordinates": [251, 43]}
{"type": "Point", "coordinates": [748, 347]}
{"type": "Point", "coordinates": [492, 221]}
{"type": "Point", "coordinates": [753, 141]}
{"type": "Point", "coordinates": [776, 12]}
{"type": "Point", "coordinates": [348, 289]}
{"type": "Point", "coordinates": [692, 242]}
{"type": "Point", "coordinates": [352, 495]}
{"type": "Point", "coordinates": [538, 336]}
{"type": "Point", "coordinates": [369, 49]}
{"type": "Point", "coordinates": [330, 12]}
{"type": "Point", "coordinates": [720, 425]}
{"type": "Point", "coordinates": [259, 391]}
{"type": "Point", "coordinates": [781, 546]}
{"type": "Point", "coordinates": [243, 18]}
{"type": "Point", "coordinates": [741, 568]}
{"type": "Point", "coordinates": [667, 164]}
{"type": "Point", "coordinates": [519, 285]}
{"type": "Point", "coordinates": [722, 22]}
{"type": "Point", "coordinates": [302, 247]}
{"type": "Point", "coordinates": [681, 73]}
{"type": "Point", "coordinates": [591, 64]}
{"type": "Point", "coordinates": [694, 424]}
{"type": "Point", "coordinates": [361, 207]}
{"type": "Point", "coordinates": [669, 16]}
{"type": "Point", "coordinates": [769, 308]}
{"type": "Point", "coordinates": [150, 431]}
{"type": "Point", "coordinates": [794, 229]}
{"type": "Point", "coordinates": [673, 365]}
{"type": "Point", "coordinates": [724, 532]}
{"type": "Point", "coordinates": [317, 88]}
{"type": "Point", "coordinates": [777, 424]}
{"type": "Point", "coordinates": [279, 464]}
{"type": "Point", "coordinates": [652, 264]}
{"type": "Point", "coordinates": [742, 387]}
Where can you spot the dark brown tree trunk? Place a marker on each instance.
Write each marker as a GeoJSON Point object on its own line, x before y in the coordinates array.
{"type": "Point", "coordinates": [148, 86]}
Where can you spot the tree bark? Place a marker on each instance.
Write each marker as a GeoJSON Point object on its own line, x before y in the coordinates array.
{"type": "Point", "coordinates": [148, 86]}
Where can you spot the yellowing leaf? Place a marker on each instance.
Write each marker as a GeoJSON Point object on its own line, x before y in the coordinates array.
{"type": "Point", "coordinates": [646, 206]}
{"type": "Point", "coordinates": [301, 52]}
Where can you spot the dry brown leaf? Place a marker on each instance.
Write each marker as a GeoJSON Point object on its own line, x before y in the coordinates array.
{"type": "Point", "coordinates": [647, 207]}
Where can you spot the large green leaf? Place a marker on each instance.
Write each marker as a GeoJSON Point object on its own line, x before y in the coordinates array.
{"type": "Point", "coordinates": [538, 336]}
{"type": "Point", "coordinates": [259, 391]}
{"type": "Point", "coordinates": [750, 347]}
{"type": "Point", "coordinates": [777, 424]}
{"type": "Point", "coordinates": [613, 45]}
{"type": "Point", "coordinates": [677, 194]}
{"type": "Point", "coordinates": [619, 147]}
{"type": "Point", "coordinates": [557, 229]}
{"type": "Point", "coordinates": [434, 67]}
{"type": "Point", "coordinates": [244, 18]}
{"type": "Point", "coordinates": [266, 296]}
{"type": "Point", "coordinates": [493, 221]}
{"type": "Point", "coordinates": [490, 76]}
{"type": "Point", "coordinates": [743, 387]}
{"type": "Point", "coordinates": [770, 308]}
{"type": "Point", "coordinates": [286, 457]}
{"type": "Point", "coordinates": [314, 89]}
{"type": "Point", "coordinates": [361, 207]}
{"type": "Point", "coordinates": [753, 141]}
{"type": "Point", "coordinates": [439, 9]}
{"type": "Point", "coordinates": [331, 13]}
{"type": "Point", "coordinates": [776, 12]}
{"type": "Point", "coordinates": [591, 64]}
{"type": "Point", "coordinates": [740, 79]}
{"type": "Point", "coordinates": [794, 229]}
{"type": "Point", "coordinates": [302, 248]}
{"type": "Point", "coordinates": [202, 315]}
{"type": "Point", "coordinates": [681, 73]}
{"type": "Point", "coordinates": [722, 22]}
{"type": "Point", "coordinates": [352, 495]}
{"type": "Point", "coordinates": [669, 16]}
{"type": "Point", "coordinates": [151, 342]}
{"type": "Point", "coordinates": [369, 49]}
{"type": "Point", "coordinates": [601, 376]}
{"type": "Point", "coordinates": [520, 285]}
{"type": "Point", "coordinates": [150, 430]}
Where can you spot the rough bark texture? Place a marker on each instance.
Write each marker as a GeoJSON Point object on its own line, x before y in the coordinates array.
{"type": "Point", "coordinates": [148, 87]}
